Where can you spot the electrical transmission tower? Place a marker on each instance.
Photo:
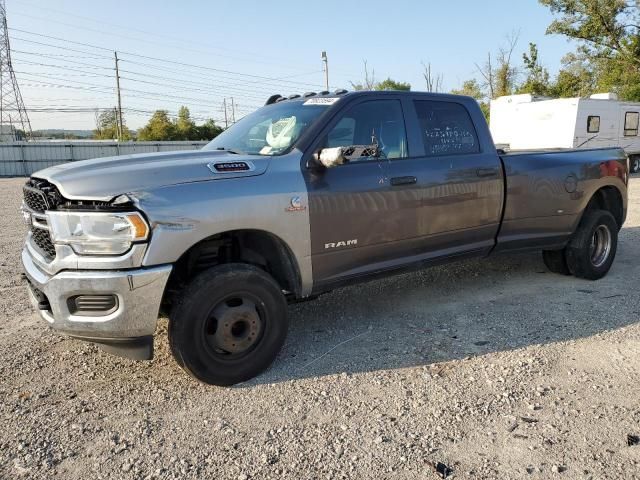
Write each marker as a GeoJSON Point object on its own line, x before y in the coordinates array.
{"type": "Point", "coordinates": [13, 114]}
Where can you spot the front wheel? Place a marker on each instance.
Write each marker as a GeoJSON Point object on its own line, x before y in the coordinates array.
{"type": "Point", "coordinates": [229, 324]}
{"type": "Point", "coordinates": [593, 247]}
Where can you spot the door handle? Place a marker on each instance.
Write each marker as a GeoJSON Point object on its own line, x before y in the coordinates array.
{"type": "Point", "coordinates": [397, 181]}
{"type": "Point", "coordinates": [487, 172]}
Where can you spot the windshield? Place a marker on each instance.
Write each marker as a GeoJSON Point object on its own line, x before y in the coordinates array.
{"type": "Point", "coordinates": [270, 130]}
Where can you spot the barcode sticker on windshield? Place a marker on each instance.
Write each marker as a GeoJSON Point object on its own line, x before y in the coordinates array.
{"type": "Point", "coordinates": [321, 101]}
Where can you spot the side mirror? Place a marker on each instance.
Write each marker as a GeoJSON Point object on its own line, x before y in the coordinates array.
{"type": "Point", "coordinates": [330, 157]}
{"type": "Point", "coordinates": [335, 156]}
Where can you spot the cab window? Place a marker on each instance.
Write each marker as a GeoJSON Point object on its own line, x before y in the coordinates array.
{"type": "Point", "coordinates": [374, 122]}
{"type": "Point", "coordinates": [446, 128]}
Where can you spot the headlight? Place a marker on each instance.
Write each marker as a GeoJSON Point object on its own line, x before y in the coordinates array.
{"type": "Point", "coordinates": [97, 233]}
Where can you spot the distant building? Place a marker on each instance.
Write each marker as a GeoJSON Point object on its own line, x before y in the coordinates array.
{"type": "Point", "coordinates": [7, 133]}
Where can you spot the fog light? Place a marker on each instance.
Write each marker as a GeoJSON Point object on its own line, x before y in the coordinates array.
{"type": "Point", "coordinates": [92, 305]}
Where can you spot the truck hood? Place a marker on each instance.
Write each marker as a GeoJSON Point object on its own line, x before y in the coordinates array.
{"type": "Point", "coordinates": [102, 179]}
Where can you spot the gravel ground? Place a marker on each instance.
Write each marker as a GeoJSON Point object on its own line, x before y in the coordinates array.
{"type": "Point", "coordinates": [492, 368]}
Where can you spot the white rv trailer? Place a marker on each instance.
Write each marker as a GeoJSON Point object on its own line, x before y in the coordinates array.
{"type": "Point", "coordinates": [527, 122]}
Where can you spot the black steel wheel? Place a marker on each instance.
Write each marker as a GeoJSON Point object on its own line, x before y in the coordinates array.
{"type": "Point", "coordinates": [234, 325]}
{"type": "Point", "coordinates": [229, 324]}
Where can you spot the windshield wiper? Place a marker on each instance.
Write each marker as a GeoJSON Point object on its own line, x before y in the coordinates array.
{"type": "Point", "coordinates": [231, 150]}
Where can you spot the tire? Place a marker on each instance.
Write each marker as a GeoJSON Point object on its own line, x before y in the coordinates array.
{"type": "Point", "coordinates": [635, 164]}
{"type": "Point", "coordinates": [556, 261]}
{"type": "Point", "coordinates": [228, 325]}
{"type": "Point", "coordinates": [593, 247]}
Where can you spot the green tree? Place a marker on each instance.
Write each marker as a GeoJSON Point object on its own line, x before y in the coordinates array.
{"type": "Point", "coordinates": [390, 84]}
{"type": "Point", "coordinates": [107, 126]}
{"type": "Point", "coordinates": [576, 79]}
{"type": "Point", "coordinates": [470, 88]}
{"type": "Point", "coordinates": [160, 127]}
{"type": "Point", "coordinates": [207, 131]}
{"type": "Point", "coordinates": [608, 36]}
{"type": "Point", "coordinates": [603, 27]}
{"type": "Point", "coordinates": [537, 82]}
{"type": "Point", "coordinates": [185, 127]}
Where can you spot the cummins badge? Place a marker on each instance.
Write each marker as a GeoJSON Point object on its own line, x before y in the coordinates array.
{"type": "Point", "coordinates": [296, 205]}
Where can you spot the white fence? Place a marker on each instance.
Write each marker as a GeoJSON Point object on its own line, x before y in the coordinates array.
{"type": "Point", "coordinates": [24, 158]}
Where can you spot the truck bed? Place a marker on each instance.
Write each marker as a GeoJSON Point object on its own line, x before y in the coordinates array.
{"type": "Point", "coordinates": [546, 190]}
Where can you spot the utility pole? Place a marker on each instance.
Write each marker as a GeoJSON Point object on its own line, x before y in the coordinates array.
{"type": "Point", "coordinates": [119, 116]}
{"type": "Point", "coordinates": [233, 112]}
{"type": "Point", "coordinates": [226, 120]}
{"type": "Point", "coordinates": [325, 67]}
{"type": "Point", "coordinates": [97, 116]}
{"type": "Point", "coordinates": [118, 130]}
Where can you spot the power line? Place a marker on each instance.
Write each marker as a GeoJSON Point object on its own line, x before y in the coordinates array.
{"type": "Point", "coordinates": [136, 93]}
{"type": "Point", "coordinates": [69, 49]}
{"type": "Point", "coordinates": [237, 80]}
{"type": "Point", "coordinates": [209, 85]}
{"type": "Point", "coordinates": [59, 55]}
{"type": "Point", "coordinates": [184, 64]}
{"type": "Point", "coordinates": [223, 86]}
{"type": "Point", "coordinates": [105, 75]}
{"type": "Point", "coordinates": [259, 99]}
{"type": "Point", "coordinates": [129, 28]}
{"type": "Point", "coordinates": [100, 88]}
{"type": "Point", "coordinates": [91, 75]}
{"type": "Point", "coordinates": [64, 109]}
{"type": "Point", "coordinates": [141, 93]}
{"type": "Point", "coordinates": [275, 81]}
{"type": "Point", "coordinates": [127, 37]}
{"type": "Point", "coordinates": [49, 56]}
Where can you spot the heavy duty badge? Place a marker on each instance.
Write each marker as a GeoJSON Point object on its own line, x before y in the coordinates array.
{"type": "Point", "coordinates": [229, 167]}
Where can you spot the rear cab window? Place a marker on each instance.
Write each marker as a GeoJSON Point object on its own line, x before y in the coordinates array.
{"type": "Point", "coordinates": [446, 128]}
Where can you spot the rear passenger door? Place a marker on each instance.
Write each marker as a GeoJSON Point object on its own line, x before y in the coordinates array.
{"type": "Point", "coordinates": [460, 185]}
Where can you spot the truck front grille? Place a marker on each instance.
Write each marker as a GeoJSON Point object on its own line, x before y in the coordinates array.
{"type": "Point", "coordinates": [35, 199]}
{"type": "Point", "coordinates": [40, 196]}
{"type": "Point", "coordinates": [42, 239]}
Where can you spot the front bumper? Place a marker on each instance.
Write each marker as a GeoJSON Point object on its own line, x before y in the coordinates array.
{"type": "Point", "coordinates": [132, 324]}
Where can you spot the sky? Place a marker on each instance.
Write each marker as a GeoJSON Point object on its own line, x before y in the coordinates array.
{"type": "Point", "coordinates": [202, 53]}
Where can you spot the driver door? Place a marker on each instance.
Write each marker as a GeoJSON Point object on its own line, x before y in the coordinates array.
{"type": "Point", "coordinates": [352, 211]}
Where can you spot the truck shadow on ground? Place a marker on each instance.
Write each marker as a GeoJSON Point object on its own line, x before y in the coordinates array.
{"type": "Point", "coordinates": [452, 312]}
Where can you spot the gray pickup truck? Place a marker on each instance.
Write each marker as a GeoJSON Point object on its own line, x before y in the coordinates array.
{"type": "Point", "coordinates": [309, 193]}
